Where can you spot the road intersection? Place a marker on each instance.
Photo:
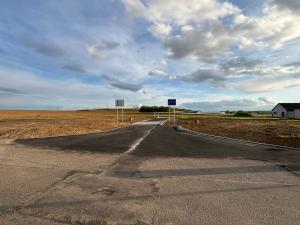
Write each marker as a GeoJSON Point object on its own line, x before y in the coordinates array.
{"type": "Point", "coordinates": [146, 173]}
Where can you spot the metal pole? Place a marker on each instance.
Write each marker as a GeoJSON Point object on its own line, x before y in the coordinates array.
{"type": "Point", "coordinates": [117, 115]}
{"type": "Point", "coordinates": [122, 115]}
{"type": "Point", "coordinates": [174, 114]}
{"type": "Point", "coordinates": [169, 113]}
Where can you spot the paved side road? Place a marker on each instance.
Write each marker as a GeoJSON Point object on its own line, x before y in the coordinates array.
{"type": "Point", "coordinates": [146, 174]}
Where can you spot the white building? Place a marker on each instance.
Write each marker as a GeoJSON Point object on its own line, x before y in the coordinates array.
{"type": "Point", "coordinates": [287, 110]}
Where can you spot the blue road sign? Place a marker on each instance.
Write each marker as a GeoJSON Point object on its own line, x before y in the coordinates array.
{"type": "Point", "coordinates": [120, 102]}
{"type": "Point", "coordinates": [171, 101]}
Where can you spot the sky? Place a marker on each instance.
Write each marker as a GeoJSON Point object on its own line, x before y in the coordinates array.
{"type": "Point", "coordinates": [210, 55]}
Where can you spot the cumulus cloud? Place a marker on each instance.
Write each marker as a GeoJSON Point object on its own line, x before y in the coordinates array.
{"type": "Point", "coordinates": [115, 82]}
{"type": "Point", "coordinates": [232, 104]}
{"type": "Point", "coordinates": [180, 12]}
{"type": "Point", "coordinates": [160, 73]}
{"type": "Point", "coordinates": [100, 50]}
{"type": "Point", "coordinates": [160, 30]}
{"type": "Point", "coordinates": [272, 29]}
{"type": "Point", "coordinates": [207, 43]}
{"type": "Point", "coordinates": [203, 33]}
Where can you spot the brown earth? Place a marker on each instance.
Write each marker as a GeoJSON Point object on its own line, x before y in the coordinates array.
{"type": "Point", "coordinates": [16, 124]}
{"type": "Point", "coordinates": [272, 131]}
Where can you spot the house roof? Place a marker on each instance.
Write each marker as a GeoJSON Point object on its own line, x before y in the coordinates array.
{"type": "Point", "coordinates": [290, 106]}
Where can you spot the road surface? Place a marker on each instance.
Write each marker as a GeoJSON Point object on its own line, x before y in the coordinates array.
{"type": "Point", "coordinates": [146, 174]}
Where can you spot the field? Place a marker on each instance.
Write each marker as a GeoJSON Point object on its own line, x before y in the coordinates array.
{"type": "Point", "coordinates": [16, 124]}
{"type": "Point", "coordinates": [266, 130]}
{"type": "Point", "coordinates": [19, 124]}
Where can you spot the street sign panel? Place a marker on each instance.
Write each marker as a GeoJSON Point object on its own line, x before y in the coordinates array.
{"type": "Point", "coordinates": [120, 102]}
{"type": "Point", "coordinates": [171, 101]}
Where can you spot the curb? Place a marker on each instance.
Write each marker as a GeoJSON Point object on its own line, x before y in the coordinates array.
{"type": "Point", "coordinates": [289, 168]}
{"type": "Point", "coordinates": [163, 123]}
{"type": "Point", "coordinates": [180, 128]}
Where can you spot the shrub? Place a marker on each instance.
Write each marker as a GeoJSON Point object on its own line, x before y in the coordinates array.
{"type": "Point", "coordinates": [154, 109]}
{"type": "Point", "coordinates": [242, 114]}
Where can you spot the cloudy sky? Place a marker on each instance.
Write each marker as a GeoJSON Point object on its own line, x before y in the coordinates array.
{"type": "Point", "coordinates": [208, 54]}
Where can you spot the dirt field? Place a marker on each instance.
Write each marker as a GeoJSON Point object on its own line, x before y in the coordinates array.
{"type": "Point", "coordinates": [16, 124]}
{"type": "Point", "coordinates": [273, 131]}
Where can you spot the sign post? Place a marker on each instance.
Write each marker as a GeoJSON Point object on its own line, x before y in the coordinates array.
{"type": "Point", "coordinates": [172, 102]}
{"type": "Point", "coordinates": [120, 103]}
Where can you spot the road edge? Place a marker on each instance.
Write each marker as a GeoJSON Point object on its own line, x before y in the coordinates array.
{"type": "Point", "coordinates": [180, 128]}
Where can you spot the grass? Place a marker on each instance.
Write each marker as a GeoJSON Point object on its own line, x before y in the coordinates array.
{"type": "Point", "coordinates": [203, 116]}
{"type": "Point", "coordinates": [266, 130]}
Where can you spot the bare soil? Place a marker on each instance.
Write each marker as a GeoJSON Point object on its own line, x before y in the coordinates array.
{"type": "Point", "coordinates": [16, 124]}
{"type": "Point", "coordinates": [272, 131]}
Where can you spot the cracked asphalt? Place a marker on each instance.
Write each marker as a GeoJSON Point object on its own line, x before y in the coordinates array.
{"type": "Point", "coordinates": [146, 174]}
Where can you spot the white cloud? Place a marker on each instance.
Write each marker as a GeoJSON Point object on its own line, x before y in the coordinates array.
{"type": "Point", "coordinates": [267, 83]}
{"type": "Point", "coordinates": [135, 8]}
{"type": "Point", "coordinates": [160, 73]}
{"type": "Point", "coordinates": [179, 13]}
{"type": "Point", "coordinates": [206, 43]}
{"type": "Point", "coordinates": [100, 50]}
{"type": "Point", "coordinates": [274, 28]}
{"type": "Point", "coordinates": [163, 62]}
{"type": "Point", "coordinates": [160, 30]}
{"type": "Point", "coordinates": [186, 28]}
{"type": "Point", "coordinates": [265, 103]}
{"type": "Point", "coordinates": [30, 90]}
{"type": "Point", "coordinates": [203, 33]}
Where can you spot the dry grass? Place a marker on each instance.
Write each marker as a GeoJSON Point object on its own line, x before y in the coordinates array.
{"type": "Point", "coordinates": [34, 123]}
{"type": "Point", "coordinates": [282, 132]}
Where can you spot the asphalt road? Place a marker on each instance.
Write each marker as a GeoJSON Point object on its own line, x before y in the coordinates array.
{"type": "Point", "coordinates": [146, 174]}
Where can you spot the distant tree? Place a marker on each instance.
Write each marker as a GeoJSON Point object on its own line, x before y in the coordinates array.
{"type": "Point", "coordinates": [242, 114]}
{"type": "Point", "coordinates": [154, 109]}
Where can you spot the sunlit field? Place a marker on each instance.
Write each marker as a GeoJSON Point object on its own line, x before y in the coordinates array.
{"type": "Point", "coordinates": [39, 123]}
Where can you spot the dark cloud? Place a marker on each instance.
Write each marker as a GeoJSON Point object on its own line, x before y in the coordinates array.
{"type": "Point", "coordinates": [241, 63]}
{"type": "Point", "coordinates": [126, 86]}
{"type": "Point", "coordinates": [11, 90]}
{"type": "Point", "coordinates": [293, 5]}
{"type": "Point", "coordinates": [296, 64]}
{"type": "Point", "coordinates": [45, 48]}
{"type": "Point", "coordinates": [109, 44]}
{"type": "Point", "coordinates": [218, 75]}
{"type": "Point", "coordinates": [73, 67]}
{"type": "Point", "coordinates": [122, 85]}
{"type": "Point", "coordinates": [201, 75]}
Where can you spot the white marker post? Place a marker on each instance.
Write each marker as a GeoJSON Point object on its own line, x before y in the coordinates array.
{"type": "Point", "coordinates": [120, 103]}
